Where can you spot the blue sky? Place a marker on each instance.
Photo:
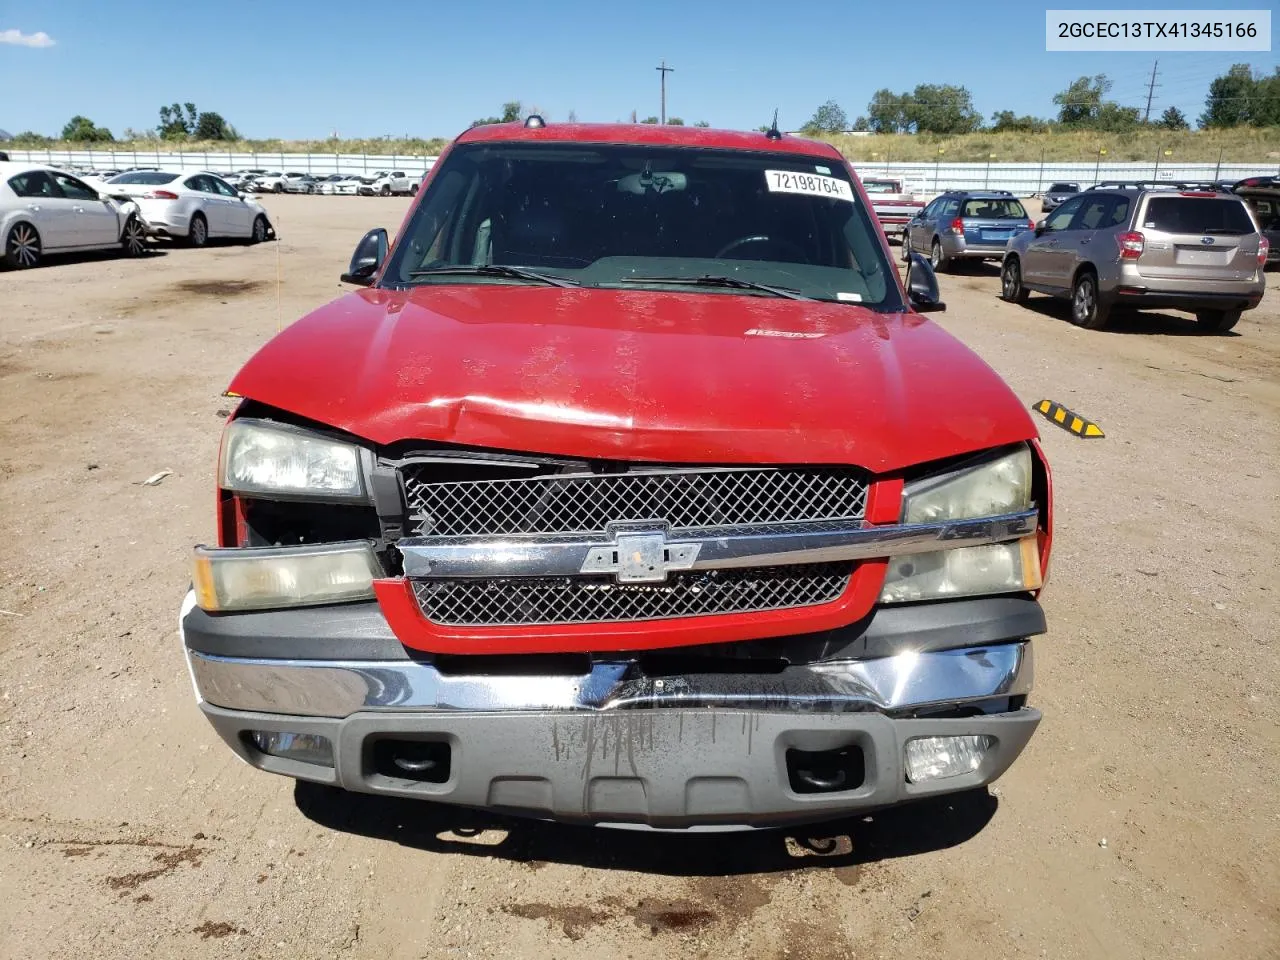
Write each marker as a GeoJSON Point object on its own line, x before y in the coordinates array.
{"type": "Point", "coordinates": [304, 70]}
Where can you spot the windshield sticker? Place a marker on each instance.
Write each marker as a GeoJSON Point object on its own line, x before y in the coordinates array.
{"type": "Point", "coordinates": [822, 169]}
{"type": "Point", "coordinates": [849, 297]}
{"type": "Point", "coordinates": [810, 184]}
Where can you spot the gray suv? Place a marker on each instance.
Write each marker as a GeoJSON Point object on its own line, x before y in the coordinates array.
{"type": "Point", "coordinates": [1188, 250]}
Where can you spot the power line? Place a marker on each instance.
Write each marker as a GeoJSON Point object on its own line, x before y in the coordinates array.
{"type": "Point", "coordinates": [664, 70]}
{"type": "Point", "coordinates": [1151, 89]}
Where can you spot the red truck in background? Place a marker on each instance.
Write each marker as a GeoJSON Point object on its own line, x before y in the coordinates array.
{"type": "Point", "coordinates": [893, 203]}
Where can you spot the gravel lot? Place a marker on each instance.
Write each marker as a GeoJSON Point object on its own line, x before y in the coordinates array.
{"type": "Point", "coordinates": [1143, 821]}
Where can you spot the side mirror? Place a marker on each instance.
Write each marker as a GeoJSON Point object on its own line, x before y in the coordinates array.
{"type": "Point", "coordinates": [242, 195]}
{"type": "Point", "coordinates": [1040, 226]}
{"type": "Point", "coordinates": [371, 251]}
{"type": "Point", "coordinates": [922, 286]}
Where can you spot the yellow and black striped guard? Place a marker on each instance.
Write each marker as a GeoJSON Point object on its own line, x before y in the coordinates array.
{"type": "Point", "coordinates": [1067, 420]}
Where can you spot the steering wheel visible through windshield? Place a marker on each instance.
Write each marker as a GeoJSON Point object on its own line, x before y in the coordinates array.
{"type": "Point", "coordinates": [610, 215]}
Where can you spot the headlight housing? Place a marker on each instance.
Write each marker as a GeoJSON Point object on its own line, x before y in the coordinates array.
{"type": "Point", "coordinates": [261, 578]}
{"type": "Point", "coordinates": [260, 458]}
{"type": "Point", "coordinates": [999, 486]}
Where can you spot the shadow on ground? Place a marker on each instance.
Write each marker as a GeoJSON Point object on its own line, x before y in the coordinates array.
{"type": "Point", "coordinates": [1145, 322]}
{"type": "Point", "coordinates": [921, 827]}
{"type": "Point", "coordinates": [53, 260]}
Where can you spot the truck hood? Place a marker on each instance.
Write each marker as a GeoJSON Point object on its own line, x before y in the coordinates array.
{"type": "Point", "coordinates": [637, 375]}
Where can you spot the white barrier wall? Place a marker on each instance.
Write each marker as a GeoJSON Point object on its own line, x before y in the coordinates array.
{"type": "Point", "coordinates": [1021, 178]}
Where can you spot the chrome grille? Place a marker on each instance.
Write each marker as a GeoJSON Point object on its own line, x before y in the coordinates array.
{"type": "Point", "coordinates": [479, 603]}
{"type": "Point", "coordinates": [586, 503]}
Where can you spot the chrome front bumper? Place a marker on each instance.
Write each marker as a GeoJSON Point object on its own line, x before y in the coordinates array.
{"type": "Point", "coordinates": [615, 744]}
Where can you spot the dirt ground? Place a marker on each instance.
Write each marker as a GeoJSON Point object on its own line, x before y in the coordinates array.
{"type": "Point", "coordinates": [1143, 820]}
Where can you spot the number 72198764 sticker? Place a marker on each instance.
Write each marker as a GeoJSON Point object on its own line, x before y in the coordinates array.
{"type": "Point", "coordinates": [811, 184]}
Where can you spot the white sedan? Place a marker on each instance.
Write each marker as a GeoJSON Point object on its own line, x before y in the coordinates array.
{"type": "Point", "coordinates": [43, 210]}
{"type": "Point", "coordinates": [349, 185]}
{"type": "Point", "coordinates": [193, 206]}
{"type": "Point", "coordinates": [326, 184]}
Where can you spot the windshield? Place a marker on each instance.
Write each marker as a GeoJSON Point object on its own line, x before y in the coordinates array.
{"type": "Point", "coordinates": [1064, 188]}
{"type": "Point", "coordinates": [882, 186]}
{"type": "Point", "coordinates": [153, 177]}
{"type": "Point", "coordinates": [1197, 215]}
{"type": "Point", "coordinates": [1267, 211]}
{"type": "Point", "coordinates": [994, 209]}
{"type": "Point", "coordinates": [615, 215]}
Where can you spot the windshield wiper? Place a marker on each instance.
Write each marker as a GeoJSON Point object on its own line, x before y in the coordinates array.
{"type": "Point", "coordinates": [492, 270]}
{"type": "Point", "coordinates": [731, 283]}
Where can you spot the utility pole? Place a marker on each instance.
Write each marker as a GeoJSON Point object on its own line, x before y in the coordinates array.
{"type": "Point", "coordinates": [1151, 89]}
{"type": "Point", "coordinates": [664, 70]}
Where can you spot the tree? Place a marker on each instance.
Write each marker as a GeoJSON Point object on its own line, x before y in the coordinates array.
{"type": "Point", "coordinates": [1007, 120]}
{"type": "Point", "coordinates": [1172, 119]}
{"type": "Point", "coordinates": [1230, 99]}
{"type": "Point", "coordinates": [512, 111]}
{"type": "Point", "coordinates": [674, 122]}
{"type": "Point", "coordinates": [1266, 104]}
{"type": "Point", "coordinates": [828, 118]}
{"type": "Point", "coordinates": [82, 130]}
{"type": "Point", "coordinates": [211, 126]}
{"type": "Point", "coordinates": [942, 109]}
{"type": "Point", "coordinates": [1114, 118]}
{"type": "Point", "coordinates": [175, 124]}
{"type": "Point", "coordinates": [887, 112]}
{"type": "Point", "coordinates": [701, 123]}
{"type": "Point", "coordinates": [29, 138]}
{"type": "Point", "coordinates": [861, 125]}
{"type": "Point", "coordinates": [1079, 104]}
{"type": "Point", "coordinates": [649, 120]}
{"type": "Point", "coordinates": [573, 115]}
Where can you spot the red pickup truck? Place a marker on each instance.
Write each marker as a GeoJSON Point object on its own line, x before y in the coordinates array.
{"type": "Point", "coordinates": [894, 205]}
{"type": "Point", "coordinates": [632, 487]}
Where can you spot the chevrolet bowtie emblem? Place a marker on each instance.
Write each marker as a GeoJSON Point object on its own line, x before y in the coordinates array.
{"type": "Point", "coordinates": [640, 556]}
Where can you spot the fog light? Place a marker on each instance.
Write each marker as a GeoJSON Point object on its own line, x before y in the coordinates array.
{"type": "Point", "coordinates": [936, 758]}
{"type": "Point", "coordinates": [303, 747]}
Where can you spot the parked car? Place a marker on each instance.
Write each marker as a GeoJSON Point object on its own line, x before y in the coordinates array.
{"type": "Point", "coordinates": [349, 185]}
{"type": "Point", "coordinates": [1147, 249]}
{"type": "Point", "coordinates": [966, 225]}
{"type": "Point", "coordinates": [893, 203]}
{"type": "Point", "coordinates": [1263, 196]}
{"type": "Point", "coordinates": [396, 182]}
{"type": "Point", "coordinates": [275, 181]}
{"type": "Point", "coordinates": [299, 183]}
{"type": "Point", "coordinates": [784, 567]}
{"type": "Point", "coordinates": [325, 185]}
{"type": "Point", "coordinates": [384, 183]}
{"type": "Point", "coordinates": [44, 210]}
{"type": "Point", "coordinates": [1057, 194]}
{"type": "Point", "coordinates": [195, 207]}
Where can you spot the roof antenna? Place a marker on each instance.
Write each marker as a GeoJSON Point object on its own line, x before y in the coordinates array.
{"type": "Point", "coordinates": [773, 133]}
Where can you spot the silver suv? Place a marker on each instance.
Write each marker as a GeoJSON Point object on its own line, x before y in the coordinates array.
{"type": "Point", "coordinates": [1195, 250]}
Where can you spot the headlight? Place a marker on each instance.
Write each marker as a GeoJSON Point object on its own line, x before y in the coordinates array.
{"type": "Point", "coordinates": [987, 490]}
{"type": "Point", "coordinates": [260, 458]}
{"type": "Point", "coordinates": [259, 578]}
{"type": "Point", "coordinates": [997, 487]}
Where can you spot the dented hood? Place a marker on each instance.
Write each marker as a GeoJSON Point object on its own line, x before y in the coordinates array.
{"type": "Point", "coordinates": [637, 375]}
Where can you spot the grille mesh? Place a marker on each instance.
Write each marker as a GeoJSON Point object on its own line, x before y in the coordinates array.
{"type": "Point", "coordinates": [587, 503]}
{"type": "Point", "coordinates": [477, 603]}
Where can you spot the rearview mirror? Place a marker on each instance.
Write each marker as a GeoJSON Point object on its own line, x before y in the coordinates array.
{"type": "Point", "coordinates": [371, 251]}
{"type": "Point", "coordinates": [922, 286]}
